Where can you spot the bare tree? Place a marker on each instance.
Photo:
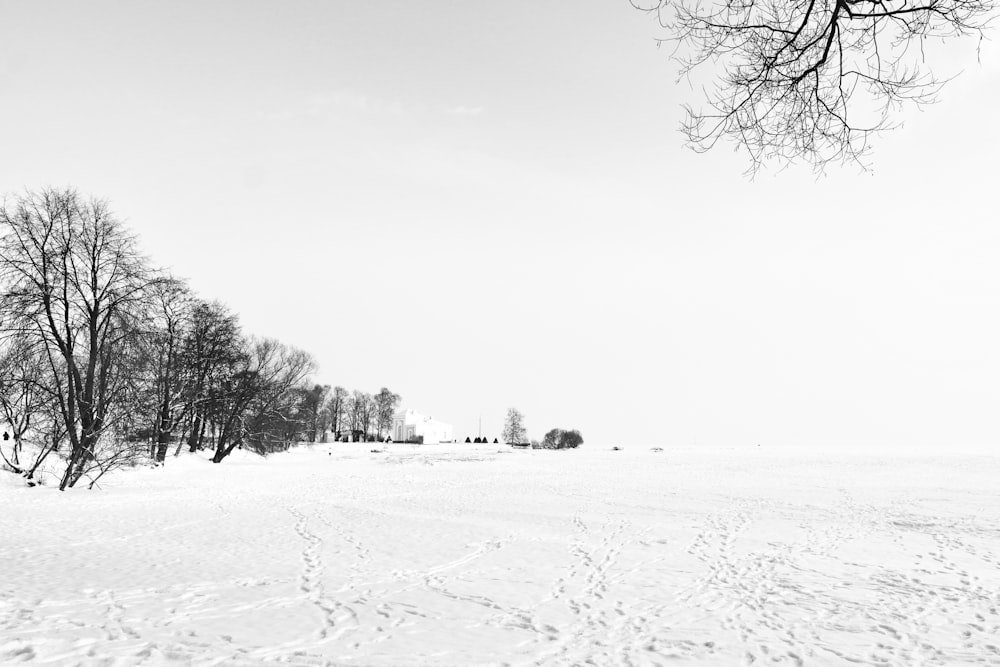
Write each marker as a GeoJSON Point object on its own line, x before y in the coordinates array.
{"type": "Point", "coordinates": [360, 414]}
{"type": "Point", "coordinates": [514, 432]}
{"type": "Point", "coordinates": [286, 421]}
{"type": "Point", "coordinates": [75, 284]}
{"type": "Point", "coordinates": [386, 404]}
{"type": "Point", "coordinates": [810, 80]}
{"type": "Point", "coordinates": [312, 404]}
{"type": "Point", "coordinates": [212, 350]}
{"type": "Point", "coordinates": [172, 304]}
{"type": "Point", "coordinates": [366, 405]}
{"type": "Point", "coordinates": [336, 410]}
{"type": "Point", "coordinates": [257, 393]}
{"type": "Point", "coordinates": [351, 418]}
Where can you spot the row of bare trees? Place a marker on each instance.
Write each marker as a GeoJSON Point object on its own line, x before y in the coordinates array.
{"type": "Point", "coordinates": [105, 360]}
{"type": "Point", "coordinates": [355, 415]}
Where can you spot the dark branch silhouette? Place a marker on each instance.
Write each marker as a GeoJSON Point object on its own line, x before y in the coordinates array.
{"type": "Point", "coordinates": [810, 80]}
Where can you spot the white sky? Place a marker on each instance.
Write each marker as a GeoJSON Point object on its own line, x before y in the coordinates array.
{"type": "Point", "coordinates": [483, 205]}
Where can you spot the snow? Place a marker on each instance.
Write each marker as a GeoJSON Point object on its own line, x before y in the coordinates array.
{"type": "Point", "coordinates": [463, 554]}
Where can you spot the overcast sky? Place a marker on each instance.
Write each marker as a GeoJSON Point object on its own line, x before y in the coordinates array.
{"type": "Point", "coordinates": [487, 204]}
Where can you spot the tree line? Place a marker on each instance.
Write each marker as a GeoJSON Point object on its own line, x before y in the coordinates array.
{"type": "Point", "coordinates": [106, 360]}
{"type": "Point", "coordinates": [515, 433]}
{"type": "Point", "coordinates": [353, 416]}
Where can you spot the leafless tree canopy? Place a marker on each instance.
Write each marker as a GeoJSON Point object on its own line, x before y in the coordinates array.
{"type": "Point", "coordinates": [76, 287]}
{"type": "Point", "coordinates": [386, 405]}
{"type": "Point", "coordinates": [810, 80]}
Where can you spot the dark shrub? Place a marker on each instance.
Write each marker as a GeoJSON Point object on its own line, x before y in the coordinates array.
{"type": "Point", "coordinates": [560, 439]}
{"type": "Point", "coordinates": [571, 439]}
{"type": "Point", "coordinates": [552, 439]}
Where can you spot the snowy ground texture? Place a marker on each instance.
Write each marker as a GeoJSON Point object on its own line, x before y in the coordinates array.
{"type": "Point", "coordinates": [462, 555]}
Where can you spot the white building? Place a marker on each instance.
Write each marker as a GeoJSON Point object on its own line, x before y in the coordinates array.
{"type": "Point", "coordinates": [410, 425]}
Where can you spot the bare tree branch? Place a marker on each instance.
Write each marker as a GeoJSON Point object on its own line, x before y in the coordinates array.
{"type": "Point", "coordinates": [810, 80]}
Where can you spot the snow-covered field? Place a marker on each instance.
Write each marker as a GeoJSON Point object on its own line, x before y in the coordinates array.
{"type": "Point", "coordinates": [460, 555]}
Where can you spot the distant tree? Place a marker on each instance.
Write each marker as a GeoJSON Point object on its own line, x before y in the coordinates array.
{"type": "Point", "coordinates": [171, 311]}
{"type": "Point", "coordinates": [258, 395]}
{"type": "Point", "coordinates": [212, 350]}
{"type": "Point", "coordinates": [336, 409]}
{"type": "Point", "coordinates": [368, 418]}
{"type": "Point", "coordinates": [560, 439]}
{"type": "Point", "coordinates": [311, 408]}
{"type": "Point", "coordinates": [513, 429]}
{"type": "Point", "coordinates": [810, 79]}
{"type": "Point", "coordinates": [467, 441]}
{"type": "Point", "coordinates": [360, 415]}
{"type": "Point", "coordinates": [552, 438]}
{"type": "Point", "coordinates": [276, 415]}
{"type": "Point", "coordinates": [287, 420]}
{"type": "Point", "coordinates": [386, 405]}
{"type": "Point", "coordinates": [352, 418]}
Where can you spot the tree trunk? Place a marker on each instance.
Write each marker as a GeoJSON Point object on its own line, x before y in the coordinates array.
{"type": "Point", "coordinates": [223, 451]}
{"type": "Point", "coordinates": [64, 482]}
{"type": "Point", "coordinates": [164, 430]}
{"type": "Point", "coordinates": [197, 428]}
{"type": "Point", "coordinates": [181, 441]}
{"type": "Point", "coordinates": [162, 446]}
{"type": "Point", "coordinates": [81, 467]}
{"type": "Point", "coordinates": [76, 464]}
